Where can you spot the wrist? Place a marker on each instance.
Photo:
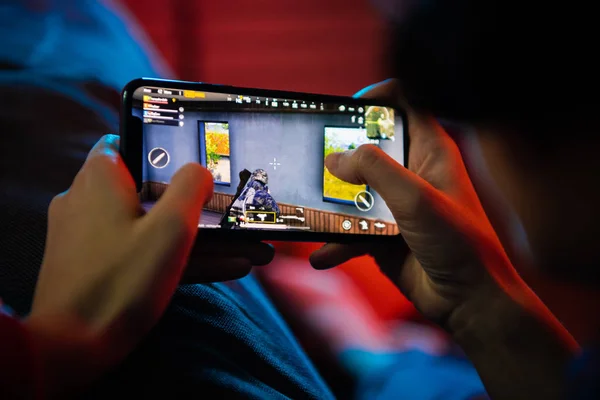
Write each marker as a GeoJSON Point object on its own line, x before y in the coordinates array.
{"type": "Point", "coordinates": [517, 346]}
{"type": "Point", "coordinates": [494, 314]}
{"type": "Point", "coordinates": [488, 314]}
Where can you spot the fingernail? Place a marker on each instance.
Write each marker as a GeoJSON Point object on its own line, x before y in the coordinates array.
{"type": "Point", "coordinates": [112, 142]}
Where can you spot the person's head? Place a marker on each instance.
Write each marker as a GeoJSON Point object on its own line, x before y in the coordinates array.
{"type": "Point", "coordinates": [525, 76]}
{"type": "Point", "coordinates": [260, 175]}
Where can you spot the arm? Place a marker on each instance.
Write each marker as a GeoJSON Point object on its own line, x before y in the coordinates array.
{"type": "Point", "coordinates": [456, 272]}
{"type": "Point", "coordinates": [47, 358]}
{"type": "Point", "coordinates": [518, 348]}
{"type": "Point", "coordinates": [67, 355]}
{"type": "Point", "coordinates": [19, 376]}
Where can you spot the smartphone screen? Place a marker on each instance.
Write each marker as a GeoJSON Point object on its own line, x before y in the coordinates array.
{"type": "Point", "coordinates": [266, 156]}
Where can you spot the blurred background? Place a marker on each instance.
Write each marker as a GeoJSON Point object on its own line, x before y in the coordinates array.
{"type": "Point", "coordinates": [333, 47]}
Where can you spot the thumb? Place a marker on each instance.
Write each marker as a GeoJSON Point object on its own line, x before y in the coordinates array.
{"type": "Point", "coordinates": [190, 188]}
{"type": "Point", "coordinates": [401, 189]}
{"type": "Point", "coordinates": [172, 223]}
{"type": "Point", "coordinates": [430, 223]}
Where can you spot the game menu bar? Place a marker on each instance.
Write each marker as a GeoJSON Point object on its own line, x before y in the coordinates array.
{"type": "Point", "coordinates": [161, 107]}
{"type": "Point", "coordinates": [167, 106]}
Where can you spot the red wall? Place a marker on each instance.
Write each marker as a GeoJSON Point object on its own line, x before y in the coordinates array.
{"type": "Point", "coordinates": [332, 46]}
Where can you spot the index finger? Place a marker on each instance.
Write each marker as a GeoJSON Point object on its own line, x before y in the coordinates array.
{"type": "Point", "coordinates": [105, 163]}
{"type": "Point", "coordinates": [105, 172]}
{"type": "Point", "coordinates": [384, 90]}
{"type": "Point", "coordinates": [421, 126]}
{"type": "Point", "coordinates": [108, 145]}
{"type": "Point", "coordinates": [105, 153]}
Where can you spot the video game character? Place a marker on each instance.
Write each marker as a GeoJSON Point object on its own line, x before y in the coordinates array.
{"type": "Point", "coordinates": [252, 196]}
{"type": "Point", "coordinates": [255, 195]}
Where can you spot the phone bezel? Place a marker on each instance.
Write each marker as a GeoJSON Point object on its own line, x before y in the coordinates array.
{"type": "Point", "coordinates": [131, 152]}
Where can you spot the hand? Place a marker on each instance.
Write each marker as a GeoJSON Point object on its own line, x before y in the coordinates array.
{"type": "Point", "coordinates": [455, 270]}
{"type": "Point", "coordinates": [214, 261]}
{"type": "Point", "coordinates": [452, 249]}
{"type": "Point", "coordinates": [109, 269]}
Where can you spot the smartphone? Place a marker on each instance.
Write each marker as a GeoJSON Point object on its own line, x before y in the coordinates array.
{"type": "Point", "coordinates": [265, 150]}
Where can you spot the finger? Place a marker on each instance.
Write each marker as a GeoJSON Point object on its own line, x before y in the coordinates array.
{"type": "Point", "coordinates": [170, 227]}
{"type": "Point", "coordinates": [334, 254]}
{"type": "Point", "coordinates": [181, 204]}
{"type": "Point", "coordinates": [217, 269]}
{"type": "Point", "coordinates": [385, 90]}
{"type": "Point", "coordinates": [369, 165]}
{"type": "Point", "coordinates": [257, 253]}
{"type": "Point", "coordinates": [421, 126]}
{"type": "Point", "coordinates": [108, 145]}
{"type": "Point", "coordinates": [104, 181]}
{"type": "Point", "coordinates": [104, 153]}
{"type": "Point", "coordinates": [389, 91]}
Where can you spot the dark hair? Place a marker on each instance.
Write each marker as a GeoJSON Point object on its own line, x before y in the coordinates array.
{"type": "Point", "coordinates": [501, 61]}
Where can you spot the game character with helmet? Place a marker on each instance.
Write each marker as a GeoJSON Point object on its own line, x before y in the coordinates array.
{"type": "Point", "coordinates": [255, 196]}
